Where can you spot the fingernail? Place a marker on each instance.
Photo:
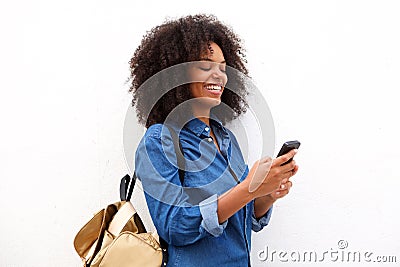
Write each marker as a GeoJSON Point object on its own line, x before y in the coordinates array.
{"type": "Point", "coordinates": [278, 193]}
{"type": "Point", "coordinates": [282, 186]}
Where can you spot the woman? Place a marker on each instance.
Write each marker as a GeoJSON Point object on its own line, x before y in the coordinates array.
{"type": "Point", "coordinates": [211, 227]}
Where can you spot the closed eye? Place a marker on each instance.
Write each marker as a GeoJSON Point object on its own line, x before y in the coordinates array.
{"type": "Point", "coordinates": [207, 66]}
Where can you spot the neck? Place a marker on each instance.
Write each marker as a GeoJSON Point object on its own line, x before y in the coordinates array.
{"type": "Point", "coordinates": [202, 114]}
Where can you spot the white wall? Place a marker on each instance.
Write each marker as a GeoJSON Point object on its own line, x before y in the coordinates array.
{"type": "Point", "coordinates": [329, 71]}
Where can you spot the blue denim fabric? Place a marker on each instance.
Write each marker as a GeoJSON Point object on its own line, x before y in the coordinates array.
{"type": "Point", "coordinates": [187, 220]}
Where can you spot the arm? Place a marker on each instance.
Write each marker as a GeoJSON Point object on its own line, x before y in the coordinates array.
{"type": "Point", "coordinates": [264, 203]}
{"type": "Point", "coordinates": [232, 201]}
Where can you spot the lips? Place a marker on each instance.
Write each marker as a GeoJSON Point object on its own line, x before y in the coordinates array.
{"type": "Point", "coordinates": [215, 89]}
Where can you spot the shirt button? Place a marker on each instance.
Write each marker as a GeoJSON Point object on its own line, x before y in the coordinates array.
{"type": "Point", "coordinates": [207, 129]}
{"type": "Point", "coordinates": [209, 139]}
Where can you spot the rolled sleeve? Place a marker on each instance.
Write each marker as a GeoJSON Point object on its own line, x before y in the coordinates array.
{"type": "Point", "coordinates": [208, 210]}
{"type": "Point", "coordinates": [258, 224]}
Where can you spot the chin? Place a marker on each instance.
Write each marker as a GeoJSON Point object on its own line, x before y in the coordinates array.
{"type": "Point", "coordinates": [209, 101]}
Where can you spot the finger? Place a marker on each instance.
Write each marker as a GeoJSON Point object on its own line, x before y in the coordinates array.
{"type": "Point", "coordinates": [296, 168]}
{"type": "Point", "coordinates": [286, 185]}
{"type": "Point", "coordinates": [286, 170]}
{"type": "Point", "coordinates": [293, 171]}
{"type": "Point", "coordinates": [282, 159]}
{"type": "Point", "coordinates": [284, 189]}
{"type": "Point", "coordinates": [288, 167]}
{"type": "Point", "coordinates": [287, 175]}
{"type": "Point", "coordinates": [289, 185]}
{"type": "Point", "coordinates": [281, 193]}
{"type": "Point", "coordinates": [290, 173]}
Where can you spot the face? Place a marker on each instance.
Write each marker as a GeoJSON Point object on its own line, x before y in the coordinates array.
{"type": "Point", "coordinates": [209, 77]}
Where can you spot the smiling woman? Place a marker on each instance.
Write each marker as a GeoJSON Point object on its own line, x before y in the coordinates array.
{"type": "Point", "coordinates": [212, 227]}
{"type": "Point", "coordinates": [188, 39]}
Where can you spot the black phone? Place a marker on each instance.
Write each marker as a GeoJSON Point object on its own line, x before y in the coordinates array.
{"type": "Point", "coordinates": [286, 147]}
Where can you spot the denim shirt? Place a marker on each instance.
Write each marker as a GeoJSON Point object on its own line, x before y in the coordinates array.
{"type": "Point", "coordinates": [190, 226]}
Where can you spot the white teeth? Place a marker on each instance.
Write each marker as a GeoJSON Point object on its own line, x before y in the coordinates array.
{"type": "Point", "coordinates": [213, 87]}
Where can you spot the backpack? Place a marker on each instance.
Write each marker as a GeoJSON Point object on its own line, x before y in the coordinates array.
{"type": "Point", "coordinates": [116, 236]}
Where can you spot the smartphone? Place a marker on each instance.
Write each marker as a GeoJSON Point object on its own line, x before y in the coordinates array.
{"type": "Point", "coordinates": [286, 147]}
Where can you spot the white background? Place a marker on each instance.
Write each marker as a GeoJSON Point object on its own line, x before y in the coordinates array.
{"type": "Point", "coordinates": [329, 71]}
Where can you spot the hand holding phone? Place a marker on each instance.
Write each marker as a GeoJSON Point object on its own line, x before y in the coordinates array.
{"type": "Point", "coordinates": [286, 147]}
{"type": "Point", "coordinates": [266, 182]}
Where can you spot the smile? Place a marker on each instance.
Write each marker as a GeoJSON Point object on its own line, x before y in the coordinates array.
{"type": "Point", "coordinates": [213, 87]}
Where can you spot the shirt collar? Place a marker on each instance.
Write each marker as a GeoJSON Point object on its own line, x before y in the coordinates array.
{"type": "Point", "coordinates": [198, 127]}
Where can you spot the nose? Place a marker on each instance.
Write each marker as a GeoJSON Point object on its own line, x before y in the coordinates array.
{"type": "Point", "coordinates": [218, 75]}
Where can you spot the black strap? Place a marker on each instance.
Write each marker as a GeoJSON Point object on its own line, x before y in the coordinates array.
{"type": "Point", "coordinates": [179, 156]}
{"type": "Point", "coordinates": [164, 248]}
{"type": "Point", "coordinates": [126, 187]}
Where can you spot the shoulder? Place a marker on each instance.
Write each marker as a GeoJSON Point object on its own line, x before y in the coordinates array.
{"type": "Point", "coordinates": [156, 139]}
{"type": "Point", "coordinates": [158, 135]}
{"type": "Point", "coordinates": [157, 131]}
{"type": "Point", "coordinates": [154, 131]}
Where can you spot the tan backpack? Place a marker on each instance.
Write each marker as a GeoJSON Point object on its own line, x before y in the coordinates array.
{"type": "Point", "coordinates": [116, 236]}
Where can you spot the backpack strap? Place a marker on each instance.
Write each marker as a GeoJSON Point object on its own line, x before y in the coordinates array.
{"type": "Point", "coordinates": [179, 153]}
{"type": "Point", "coordinates": [126, 187]}
{"type": "Point", "coordinates": [121, 218]}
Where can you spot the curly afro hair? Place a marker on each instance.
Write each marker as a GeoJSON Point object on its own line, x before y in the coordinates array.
{"type": "Point", "coordinates": [178, 41]}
